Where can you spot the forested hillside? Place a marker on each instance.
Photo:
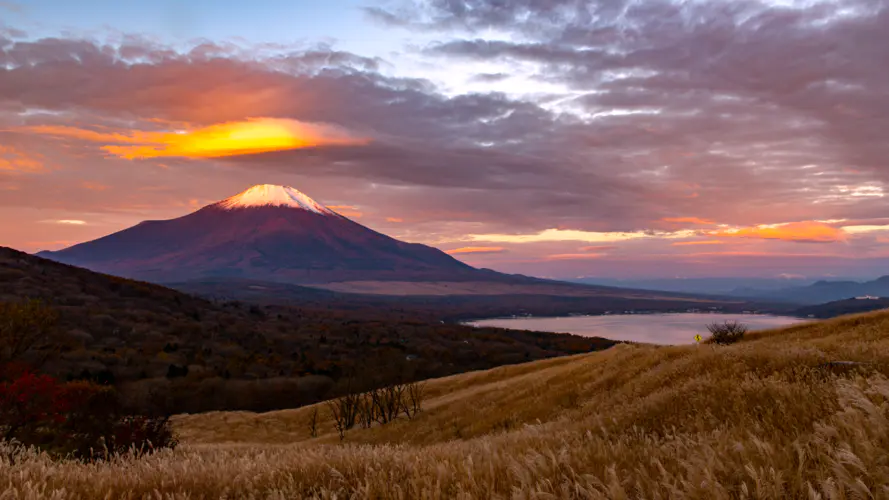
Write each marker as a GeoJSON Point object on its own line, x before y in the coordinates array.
{"type": "Point", "coordinates": [197, 355]}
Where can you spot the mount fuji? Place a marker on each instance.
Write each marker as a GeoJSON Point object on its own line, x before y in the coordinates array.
{"type": "Point", "coordinates": [268, 233]}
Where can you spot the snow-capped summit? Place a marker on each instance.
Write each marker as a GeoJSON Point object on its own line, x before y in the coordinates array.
{"type": "Point", "coordinates": [266, 233]}
{"type": "Point", "coordinates": [270, 195]}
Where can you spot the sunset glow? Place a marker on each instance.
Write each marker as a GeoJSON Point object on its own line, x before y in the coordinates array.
{"type": "Point", "coordinates": [694, 243]}
{"type": "Point", "coordinates": [689, 220]}
{"type": "Point", "coordinates": [14, 160]}
{"type": "Point", "coordinates": [346, 210]}
{"type": "Point", "coordinates": [464, 250]}
{"type": "Point", "coordinates": [429, 121]}
{"type": "Point", "coordinates": [812, 232]}
{"type": "Point", "coordinates": [573, 256]}
{"type": "Point", "coordinates": [251, 136]}
{"type": "Point", "coordinates": [575, 235]}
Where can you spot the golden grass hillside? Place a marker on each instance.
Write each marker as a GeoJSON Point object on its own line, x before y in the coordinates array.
{"type": "Point", "coordinates": [767, 418]}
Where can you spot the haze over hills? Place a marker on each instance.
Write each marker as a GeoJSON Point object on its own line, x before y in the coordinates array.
{"type": "Point", "coordinates": [821, 291]}
{"type": "Point", "coordinates": [709, 285]}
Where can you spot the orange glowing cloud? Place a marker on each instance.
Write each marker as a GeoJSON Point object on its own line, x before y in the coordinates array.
{"type": "Point", "coordinates": [394, 219]}
{"type": "Point", "coordinates": [346, 210]}
{"type": "Point", "coordinates": [254, 135]}
{"type": "Point", "coordinates": [691, 243]}
{"type": "Point", "coordinates": [88, 135]}
{"type": "Point", "coordinates": [16, 160]}
{"type": "Point", "coordinates": [806, 232]}
{"type": "Point", "coordinates": [67, 222]}
{"type": "Point", "coordinates": [463, 250]}
{"type": "Point", "coordinates": [689, 220]}
{"type": "Point", "coordinates": [756, 254]}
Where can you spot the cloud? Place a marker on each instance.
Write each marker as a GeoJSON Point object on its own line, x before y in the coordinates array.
{"type": "Point", "coordinates": [806, 232]}
{"type": "Point", "coordinates": [693, 243]}
{"type": "Point", "coordinates": [93, 186]}
{"type": "Point", "coordinates": [689, 220]}
{"type": "Point", "coordinates": [573, 256]}
{"type": "Point", "coordinates": [16, 160]}
{"type": "Point", "coordinates": [599, 248]}
{"type": "Point", "coordinates": [696, 99]}
{"type": "Point", "coordinates": [251, 136]}
{"type": "Point", "coordinates": [11, 6]}
{"type": "Point", "coordinates": [394, 219]}
{"type": "Point", "coordinates": [575, 235]}
{"type": "Point", "coordinates": [627, 114]}
{"type": "Point", "coordinates": [791, 276]}
{"type": "Point", "coordinates": [346, 210]}
{"type": "Point", "coordinates": [863, 229]}
{"type": "Point", "coordinates": [490, 77]}
{"type": "Point", "coordinates": [67, 222]}
{"type": "Point", "coordinates": [475, 250]}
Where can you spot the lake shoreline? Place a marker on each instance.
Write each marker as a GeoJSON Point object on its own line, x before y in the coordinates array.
{"type": "Point", "coordinates": [664, 328]}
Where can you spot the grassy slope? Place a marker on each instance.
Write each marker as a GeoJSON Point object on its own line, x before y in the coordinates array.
{"type": "Point", "coordinates": [761, 419]}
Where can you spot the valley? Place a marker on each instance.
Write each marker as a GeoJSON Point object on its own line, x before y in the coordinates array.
{"type": "Point", "coordinates": [258, 364]}
{"type": "Point", "coordinates": [444, 249]}
{"type": "Point", "coordinates": [631, 421]}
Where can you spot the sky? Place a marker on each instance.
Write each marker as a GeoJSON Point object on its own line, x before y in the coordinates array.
{"type": "Point", "coordinates": [557, 138]}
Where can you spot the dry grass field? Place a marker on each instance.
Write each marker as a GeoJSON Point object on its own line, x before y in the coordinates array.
{"type": "Point", "coordinates": [771, 417]}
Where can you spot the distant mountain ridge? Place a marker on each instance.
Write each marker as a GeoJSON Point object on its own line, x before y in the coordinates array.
{"type": "Point", "coordinates": [841, 307]}
{"type": "Point", "coordinates": [822, 291]}
{"type": "Point", "coordinates": [268, 232]}
{"type": "Point", "coordinates": [710, 285]}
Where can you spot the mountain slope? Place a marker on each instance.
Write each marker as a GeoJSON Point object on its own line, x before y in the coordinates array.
{"type": "Point", "coordinates": [769, 416]}
{"type": "Point", "coordinates": [842, 307]}
{"type": "Point", "coordinates": [273, 233]}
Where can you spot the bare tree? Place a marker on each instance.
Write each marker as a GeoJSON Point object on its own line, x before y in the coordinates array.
{"type": "Point", "coordinates": [313, 422]}
{"type": "Point", "coordinates": [727, 332]}
{"type": "Point", "coordinates": [388, 402]}
{"type": "Point", "coordinates": [337, 416]}
{"type": "Point", "coordinates": [367, 410]}
{"type": "Point", "coordinates": [413, 403]}
{"type": "Point", "coordinates": [345, 411]}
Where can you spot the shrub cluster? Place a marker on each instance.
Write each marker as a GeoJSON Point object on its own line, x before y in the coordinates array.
{"type": "Point", "coordinates": [727, 332]}
{"type": "Point", "coordinates": [25, 326]}
{"type": "Point", "coordinates": [80, 419]}
{"type": "Point", "coordinates": [374, 406]}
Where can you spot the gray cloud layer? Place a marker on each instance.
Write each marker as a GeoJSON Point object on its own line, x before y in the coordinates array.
{"type": "Point", "coordinates": [767, 109]}
{"type": "Point", "coordinates": [738, 111]}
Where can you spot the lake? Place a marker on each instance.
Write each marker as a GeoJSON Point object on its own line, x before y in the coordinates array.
{"type": "Point", "coordinates": [666, 329]}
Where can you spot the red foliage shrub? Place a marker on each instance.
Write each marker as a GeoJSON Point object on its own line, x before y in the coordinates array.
{"type": "Point", "coordinates": [79, 419]}
{"type": "Point", "coordinates": [29, 408]}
